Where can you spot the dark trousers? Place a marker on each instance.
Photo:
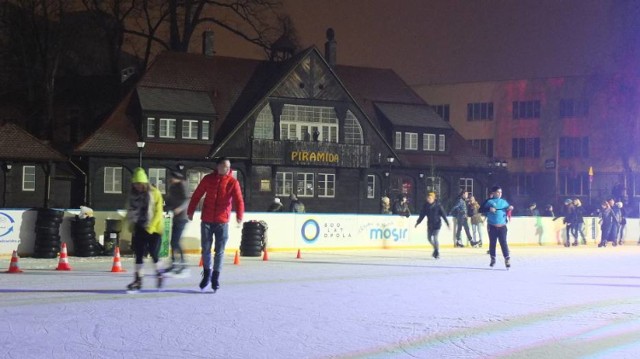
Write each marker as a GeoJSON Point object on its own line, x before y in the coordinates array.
{"type": "Point", "coordinates": [498, 234]}
{"type": "Point", "coordinates": [176, 235]}
{"type": "Point", "coordinates": [432, 236]}
{"type": "Point", "coordinates": [462, 223]}
{"type": "Point", "coordinates": [145, 242]}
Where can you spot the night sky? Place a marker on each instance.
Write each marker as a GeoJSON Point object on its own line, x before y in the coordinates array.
{"type": "Point", "coordinates": [434, 41]}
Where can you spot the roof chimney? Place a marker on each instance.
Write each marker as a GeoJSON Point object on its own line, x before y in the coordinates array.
{"type": "Point", "coordinates": [207, 43]}
{"type": "Point", "coordinates": [330, 48]}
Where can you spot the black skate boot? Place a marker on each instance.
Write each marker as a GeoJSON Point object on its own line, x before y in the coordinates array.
{"type": "Point", "coordinates": [206, 273]}
{"type": "Point", "coordinates": [575, 243]}
{"type": "Point", "coordinates": [214, 280]}
{"type": "Point", "coordinates": [493, 262]}
{"type": "Point", "coordinates": [160, 280]}
{"type": "Point", "coordinates": [507, 262]}
{"type": "Point", "coordinates": [136, 285]}
{"type": "Point", "coordinates": [436, 254]}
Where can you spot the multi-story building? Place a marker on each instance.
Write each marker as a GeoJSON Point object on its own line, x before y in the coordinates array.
{"type": "Point", "coordinates": [551, 133]}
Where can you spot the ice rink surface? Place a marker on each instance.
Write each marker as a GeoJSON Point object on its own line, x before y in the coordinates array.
{"type": "Point", "coordinates": [555, 302]}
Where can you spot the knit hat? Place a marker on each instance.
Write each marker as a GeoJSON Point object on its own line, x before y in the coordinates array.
{"type": "Point", "coordinates": [139, 176]}
{"type": "Point", "coordinates": [276, 200]}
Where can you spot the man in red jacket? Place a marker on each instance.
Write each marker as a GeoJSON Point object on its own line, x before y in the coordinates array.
{"type": "Point", "coordinates": [220, 189]}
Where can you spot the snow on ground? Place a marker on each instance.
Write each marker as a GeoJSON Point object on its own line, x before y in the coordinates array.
{"type": "Point", "coordinates": [555, 302]}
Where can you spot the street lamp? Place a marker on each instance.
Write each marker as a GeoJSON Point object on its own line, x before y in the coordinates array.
{"type": "Point", "coordinates": [6, 167]}
{"type": "Point", "coordinates": [390, 160]}
{"type": "Point", "coordinates": [140, 145]}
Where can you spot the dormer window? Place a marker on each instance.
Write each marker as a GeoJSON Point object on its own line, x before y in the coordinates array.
{"type": "Point", "coordinates": [167, 128]}
{"type": "Point", "coordinates": [190, 129]}
{"type": "Point", "coordinates": [205, 130]}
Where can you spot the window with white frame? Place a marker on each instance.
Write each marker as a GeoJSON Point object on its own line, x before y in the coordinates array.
{"type": "Point", "coordinates": [151, 127]}
{"type": "Point", "coordinates": [442, 144]}
{"type": "Point", "coordinates": [352, 130]}
{"type": "Point", "coordinates": [434, 184]}
{"type": "Point", "coordinates": [190, 129]}
{"type": "Point", "coordinates": [398, 144]}
{"type": "Point", "coordinates": [158, 178]}
{"type": "Point", "coordinates": [205, 130]}
{"type": "Point", "coordinates": [410, 141]}
{"type": "Point", "coordinates": [326, 185]}
{"type": "Point", "coordinates": [28, 178]}
{"type": "Point", "coordinates": [466, 184]}
{"type": "Point", "coordinates": [304, 183]}
{"type": "Point", "coordinates": [371, 186]}
{"type": "Point", "coordinates": [428, 142]}
{"type": "Point", "coordinates": [194, 176]}
{"type": "Point", "coordinates": [167, 128]}
{"type": "Point", "coordinates": [112, 180]}
{"type": "Point", "coordinates": [264, 124]}
{"type": "Point", "coordinates": [284, 183]}
{"type": "Point", "coordinates": [323, 119]}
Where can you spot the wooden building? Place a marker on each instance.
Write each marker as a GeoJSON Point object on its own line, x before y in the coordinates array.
{"type": "Point", "coordinates": [339, 137]}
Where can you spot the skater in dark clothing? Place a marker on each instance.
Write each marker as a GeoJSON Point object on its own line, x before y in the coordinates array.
{"type": "Point", "coordinates": [497, 219]}
{"type": "Point", "coordinates": [220, 190]}
{"type": "Point", "coordinates": [146, 219]}
{"type": "Point", "coordinates": [459, 212]}
{"type": "Point", "coordinates": [569, 220]}
{"type": "Point", "coordinates": [606, 225]}
{"type": "Point", "coordinates": [548, 211]}
{"type": "Point", "coordinates": [296, 205]}
{"type": "Point", "coordinates": [578, 228]}
{"type": "Point", "coordinates": [617, 220]}
{"type": "Point", "coordinates": [177, 201]}
{"type": "Point", "coordinates": [434, 212]}
{"type": "Point", "coordinates": [623, 222]}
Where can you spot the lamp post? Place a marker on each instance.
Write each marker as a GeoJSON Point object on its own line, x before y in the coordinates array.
{"type": "Point", "coordinates": [390, 160]}
{"type": "Point", "coordinates": [6, 167]}
{"type": "Point", "coordinates": [140, 145]}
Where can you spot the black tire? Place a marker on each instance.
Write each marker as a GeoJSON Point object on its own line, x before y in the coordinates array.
{"type": "Point", "coordinates": [252, 248]}
{"type": "Point", "coordinates": [252, 232]}
{"type": "Point", "coordinates": [253, 225]}
{"type": "Point", "coordinates": [48, 223]}
{"type": "Point", "coordinates": [82, 230]}
{"type": "Point", "coordinates": [89, 247]}
{"type": "Point", "coordinates": [39, 248]}
{"type": "Point", "coordinates": [88, 253]}
{"type": "Point", "coordinates": [48, 243]}
{"type": "Point", "coordinates": [246, 253]}
{"type": "Point", "coordinates": [83, 237]}
{"type": "Point", "coordinates": [47, 230]}
{"type": "Point", "coordinates": [252, 238]}
{"type": "Point", "coordinates": [47, 238]}
{"type": "Point", "coordinates": [50, 212]}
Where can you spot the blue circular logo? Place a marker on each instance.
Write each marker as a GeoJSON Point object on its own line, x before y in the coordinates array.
{"type": "Point", "coordinates": [310, 231]}
{"type": "Point", "coordinates": [6, 224]}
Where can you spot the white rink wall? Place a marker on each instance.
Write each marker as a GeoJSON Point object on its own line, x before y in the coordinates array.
{"type": "Point", "coordinates": [289, 231]}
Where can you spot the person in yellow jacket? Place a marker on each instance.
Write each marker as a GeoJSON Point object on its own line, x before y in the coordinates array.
{"type": "Point", "coordinates": [146, 220]}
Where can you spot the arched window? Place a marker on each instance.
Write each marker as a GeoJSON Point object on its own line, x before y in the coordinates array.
{"type": "Point", "coordinates": [352, 130]}
{"type": "Point", "coordinates": [300, 123]}
{"type": "Point", "coordinates": [264, 124]}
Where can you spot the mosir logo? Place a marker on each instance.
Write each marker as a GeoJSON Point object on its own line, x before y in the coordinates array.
{"type": "Point", "coordinates": [388, 233]}
{"type": "Point", "coordinates": [6, 224]}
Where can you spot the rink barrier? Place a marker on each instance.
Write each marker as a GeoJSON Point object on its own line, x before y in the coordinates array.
{"type": "Point", "coordinates": [309, 231]}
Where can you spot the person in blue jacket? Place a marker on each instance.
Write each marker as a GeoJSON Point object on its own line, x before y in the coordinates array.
{"type": "Point", "coordinates": [497, 208]}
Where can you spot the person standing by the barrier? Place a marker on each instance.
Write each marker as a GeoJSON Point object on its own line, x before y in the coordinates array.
{"type": "Point", "coordinates": [220, 190]}
{"type": "Point", "coordinates": [623, 222]}
{"type": "Point", "coordinates": [578, 229]}
{"type": "Point", "coordinates": [177, 201]}
{"type": "Point", "coordinates": [476, 221]}
{"type": "Point", "coordinates": [497, 220]}
{"type": "Point", "coordinates": [275, 206]}
{"type": "Point", "coordinates": [296, 205]}
{"type": "Point", "coordinates": [401, 206]}
{"type": "Point", "coordinates": [434, 212]}
{"type": "Point", "coordinates": [459, 212]}
{"type": "Point", "coordinates": [146, 218]}
{"type": "Point", "coordinates": [606, 225]}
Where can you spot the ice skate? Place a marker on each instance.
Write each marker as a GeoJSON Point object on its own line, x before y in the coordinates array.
{"type": "Point", "coordinates": [575, 244]}
{"type": "Point", "coordinates": [136, 285]}
{"type": "Point", "coordinates": [436, 254]}
{"type": "Point", "coordinates": [215, 284]}
{"type": "Point", "coordinates": [493, 262]}
{"type": "Point", "coordinates": [160, 280]}
{"type": "Point", "coordinates": [206, 273]}
{"type": "Point", "coordinates": [507, 262]}
{"type": "Point", "coordinates": [181, 271]}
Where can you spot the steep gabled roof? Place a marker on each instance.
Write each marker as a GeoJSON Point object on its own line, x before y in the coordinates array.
{"type": "Point", "coordinates": [412, 115]}
{"type": "Point", "coordinates": [18, 144]}
{"type": "Point", "coordinates": [175, 101]}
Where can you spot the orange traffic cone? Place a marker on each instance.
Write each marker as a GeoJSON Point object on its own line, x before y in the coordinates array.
{"type": "Point", "coordinates": [117, 265]}
{"type": "Point", "coordinates": [63, 263]}
{"type": "Point", "coordinates": [13, 266]}
{"type": "Point", "coordinates": [298, 256]}
{"type": "Point", "coordinates": [236, 259]}
{"type": "Point", "coordinates": [265, 256]}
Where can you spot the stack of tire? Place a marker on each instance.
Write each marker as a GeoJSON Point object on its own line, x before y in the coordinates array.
{"type": "Point", "coordinates": [84, 237]}
{"type": "Point", "coordinates": [254, 238]}
{"type": "Point", "coordinates": [47, 244]}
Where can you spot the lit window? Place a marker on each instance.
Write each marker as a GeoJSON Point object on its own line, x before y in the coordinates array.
{"type": "Point", "coordinates": [113, 180]}
{"type": "Point", "coordinates": [167, 128]}
{"type": "Point", "coordinates": [264, 124]}
{"type": "Point", "coordinates": [428, 142]}
{"type": "Point", "coordinates": [284, 183]}
{"type": "Point", "coordinates": [410, 141]}
{"type": "Point", "coordinates": [326, 185]}
{"type": "Point", "coordinates": [304, 182]}
{"type": "Point", "coordinates": [28, 178]}
{"type": "Point", "coordinates": [190, 129]}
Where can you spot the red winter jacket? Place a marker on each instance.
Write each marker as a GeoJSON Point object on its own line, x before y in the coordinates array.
{"type": "Point", "coordinates": [219, 190]}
